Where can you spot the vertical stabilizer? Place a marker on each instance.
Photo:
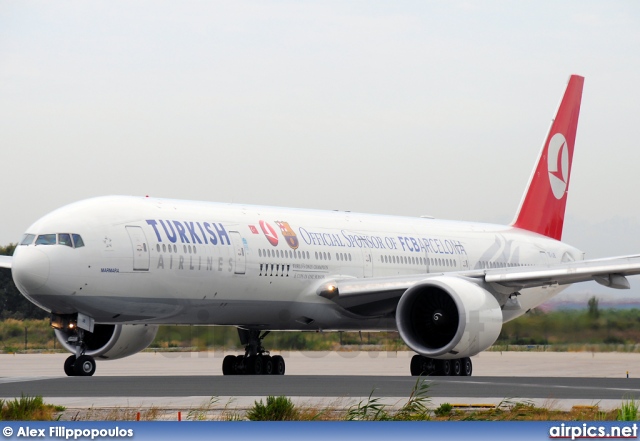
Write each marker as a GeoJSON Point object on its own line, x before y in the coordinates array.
{"type": "Point", "coordinates": [543, 204]}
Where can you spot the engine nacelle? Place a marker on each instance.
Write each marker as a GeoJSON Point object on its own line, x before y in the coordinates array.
{"type": "Point", "coordinates": [112, 341]}
{"type": "Point", "coordinates": [448, 317]}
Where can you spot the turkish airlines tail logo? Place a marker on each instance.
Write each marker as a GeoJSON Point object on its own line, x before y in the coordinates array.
{"type": "Point", "coordinates": [543, 204]}
{"type": "Point", "coordinates": [558, 165]}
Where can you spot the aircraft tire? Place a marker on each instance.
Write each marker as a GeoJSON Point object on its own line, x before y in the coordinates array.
{"type": "Point", "coordinates": [68, 366]}
{"type": "Point", "coordinates": [414, 367]}
{"type": "Point", "coordinates": [445, 368]}
{"type": "Point", "coordinates": [229, 365]}
{"type": "Point", "coordinates": [256, 365]}
{"type": "Point", "coordinates": [420, 365]}
{"type": "Point", "coordinates": [278, 365]}
{"type": "Point", "coordinates": [268, 365]}
{"type": "Point", "coordinates": [85, 366]}
{"type": "Point", "coordinates": [456, 367]}
{"type": "Point", "coordinates": [467, 367]}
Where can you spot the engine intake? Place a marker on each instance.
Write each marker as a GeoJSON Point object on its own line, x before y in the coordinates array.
{"type": "Point", "coordinates": [112, 341]}
{"type": "Point", "coordinates": [448, 317]}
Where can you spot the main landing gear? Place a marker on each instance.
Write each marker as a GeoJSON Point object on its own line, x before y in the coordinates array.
{"type": "Point", "coordinates": [421, 366]}
{"type": "Point", "coordinates": [256, 360]}
{"type": "Point", "coordinates": [79, 365]}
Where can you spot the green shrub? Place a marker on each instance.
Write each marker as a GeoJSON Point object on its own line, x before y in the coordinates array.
{"type": "Point", "coordinates": [27, 408]}
{"type": "Point", "coordinates": [444, 410]}
{"type": "Point", "coordinates": [277, 409]}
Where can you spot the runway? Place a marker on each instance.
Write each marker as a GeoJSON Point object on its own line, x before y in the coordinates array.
{"type": "Point", "coordinates": [325, 386]}
{"type": "Point", "coordinates": [188, 379]}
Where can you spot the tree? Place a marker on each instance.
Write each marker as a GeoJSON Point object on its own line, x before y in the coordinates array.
{"type": "Point", "coordinates": [7, 250]}
{"type": "Point", "coordinates": [594, 312]}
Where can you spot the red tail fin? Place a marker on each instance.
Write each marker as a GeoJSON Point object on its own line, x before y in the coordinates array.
{"type": "Point", "coordinates": [543, 204]}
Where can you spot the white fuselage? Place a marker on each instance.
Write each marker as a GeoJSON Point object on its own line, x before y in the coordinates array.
{"type": "Point", "coordinates": [147, 260]}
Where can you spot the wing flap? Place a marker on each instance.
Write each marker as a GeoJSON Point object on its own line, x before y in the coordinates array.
{"type": "Point", "coordinates": [608, 272]}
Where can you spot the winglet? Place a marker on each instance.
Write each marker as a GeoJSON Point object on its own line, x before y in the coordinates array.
{"type": "Point", "coordinates": [543, 204]}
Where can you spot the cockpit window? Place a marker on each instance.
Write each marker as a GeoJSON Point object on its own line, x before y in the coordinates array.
{"type": "Point", "coordinates": [65, 239]}
{"type": "Point", "coordinates": [77, 240]}
{"type": "Point", "coordinates": [27, 239]}
{"type": "Point", "coordinates": [50, 239]}
{"type": "Point", "coordinates": [46, 239]}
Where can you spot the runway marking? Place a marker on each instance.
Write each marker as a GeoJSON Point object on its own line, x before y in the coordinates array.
{"type": "Point", "coordinates": [558, 386]}
{"type": "Point", "coordinates": [22, 379]}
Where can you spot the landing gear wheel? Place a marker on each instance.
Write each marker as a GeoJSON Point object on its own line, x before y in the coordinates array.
{"type": "Point", "coordinates": [268, 365]}
{"type": "Point", "coordinates": [229, 365]}
{"type": "Point", "coordinates": [278, 365]}
{"type": "Point", "coordinates": [421, 366]}
{"type": "Point", "coordinates": [239, 365]}
{"type": "Point", "coordinates": [414, 367]}
{"type": "Point", "coordinates": [68, 366]}
{"type": "Point", "coordinates": [256, 359]}
{"type": "Point", "coordinates": [255, 365]}
{"type": "Point", "coordinates": [85, 366]}
{"type": "Point", "coordinates": [467, 367]}
{"type": "Point", "coordinates": [445, 367]}
{"type": "Point", "coordinates": [456, 367]}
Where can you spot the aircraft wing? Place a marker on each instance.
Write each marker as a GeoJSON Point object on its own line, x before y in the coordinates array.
{"type": "Point", "coordinates": [5, 261]}
{"type": "Point", "coordinates": [379, 295]}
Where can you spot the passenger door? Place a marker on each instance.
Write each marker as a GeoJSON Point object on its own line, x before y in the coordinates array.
{"type": "Point", "coordinates": [239, 255]}
{"type": "Point", "coordinates": [140, 248]}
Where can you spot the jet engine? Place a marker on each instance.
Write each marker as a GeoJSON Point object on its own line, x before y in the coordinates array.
{"type": "Point", "coordinates": [448, 317]}
{"type": "Point", "coordinates": [111, 341]}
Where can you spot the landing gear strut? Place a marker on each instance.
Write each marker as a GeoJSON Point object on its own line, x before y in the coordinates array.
{"type": "Point", "coordinates": [421, 365]}
{"type": "Point", "coordinates": [79, 365]}
{"type": "Point", "coordinates": [256, 360]}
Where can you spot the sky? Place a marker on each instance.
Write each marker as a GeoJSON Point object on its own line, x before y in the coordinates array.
{"type": "Point", "coordinates": [405, 107]}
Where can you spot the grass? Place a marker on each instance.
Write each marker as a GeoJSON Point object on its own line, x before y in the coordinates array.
{"type": "Point", "coordinates": [27, 408]}
{"type": "Point", "coordinates": [415, 409]}
{"type": "Point", "coordinates": [509, 410]}
{"type": "Point", "coordinates": [281, 408]}
{"type": "Point", "coordinates": [628, 411]}
{"type": "Point", "coordinates": [201, 413]}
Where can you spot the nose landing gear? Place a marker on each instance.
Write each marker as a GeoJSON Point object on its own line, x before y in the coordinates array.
{"type": "Point", "coordinates": [79, 365]}
{"type": "Point", "coordinates": [256, 360]}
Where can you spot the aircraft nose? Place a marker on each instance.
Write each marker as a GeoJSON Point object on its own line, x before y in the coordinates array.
{"type": "Point", "coordinates": [30, 269]}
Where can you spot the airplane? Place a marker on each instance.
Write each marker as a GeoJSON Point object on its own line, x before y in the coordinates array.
{"type": "Point", "coordinates": [111, 269]}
